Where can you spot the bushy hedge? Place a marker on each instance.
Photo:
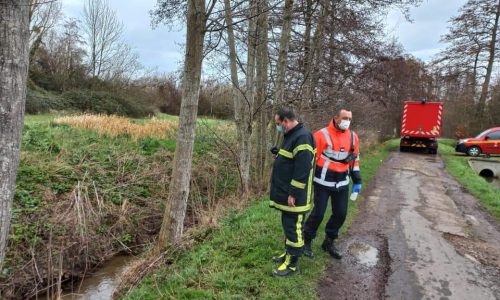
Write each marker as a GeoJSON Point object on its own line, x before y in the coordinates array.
{"type": "Point", "coordinates": [83, 100]}
{"type": "Point", "coordinates": [41, 101]}
{"type": "Point", "coordinates": [107, 103]}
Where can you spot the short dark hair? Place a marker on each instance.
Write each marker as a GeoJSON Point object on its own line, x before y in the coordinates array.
{"type": "Point", "coordinates": [341, 109]}
{"type": "Point", "coordinates": [286, 112]}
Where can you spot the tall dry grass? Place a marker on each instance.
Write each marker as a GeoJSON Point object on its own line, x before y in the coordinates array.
{"type": "Point", "coordinates": [116, 126]}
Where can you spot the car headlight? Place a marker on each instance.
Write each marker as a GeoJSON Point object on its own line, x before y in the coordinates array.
{"type": "Point", "coordinates": [463, 141]}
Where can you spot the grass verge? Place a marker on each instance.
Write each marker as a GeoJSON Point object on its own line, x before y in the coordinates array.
{"type": "Point", "coordinates": [458, 167]}
{"type": "Point", "coordinates": [234, 262]}
{"type": "Point", "coordinates": [83, 196]}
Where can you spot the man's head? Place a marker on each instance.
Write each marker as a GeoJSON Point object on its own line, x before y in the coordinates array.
{"type": "Point", "coordinates": [285, 119]}
{"type": "Point", "coordinates": [343, 119]}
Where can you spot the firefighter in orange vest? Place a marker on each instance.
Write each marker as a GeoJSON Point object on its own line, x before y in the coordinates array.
{"type": "Point", "coordinates": [337, 160]}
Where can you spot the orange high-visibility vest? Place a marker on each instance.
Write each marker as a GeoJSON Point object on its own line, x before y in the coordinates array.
{"type": "Point", "coordinates": [333, 147]}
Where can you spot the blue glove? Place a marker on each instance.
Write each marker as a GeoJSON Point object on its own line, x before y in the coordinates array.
{"type": "Point", "coordinates": [356, 188]}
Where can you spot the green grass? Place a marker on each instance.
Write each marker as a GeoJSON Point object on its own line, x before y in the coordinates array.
{"type": "Point", "coordinates": [65, 155]}
{"type": "Point", "coordinates": [56, 159]}
{"type": "Point", "coordinates": [202, 120]}
{"type": "Point", "coordinates": [37, 119]}
{"type": "Point", "coordinates": [458, 167]}
{"type": "Point", "coordinates": [58, 156]}
{"type": "Point", "coordinates": [234, 262]}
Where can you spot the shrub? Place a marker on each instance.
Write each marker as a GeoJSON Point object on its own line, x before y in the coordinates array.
{"type": "Point", "coordinates": [41, 101]}
{"type": "Point", "coordinates": [216, 101]}
{"type": "Point", "coordinates": [102, 102]}
{"type": "Point", "coordinates": [107, 100]}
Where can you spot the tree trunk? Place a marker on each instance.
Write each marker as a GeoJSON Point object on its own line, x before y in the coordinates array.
{"type": "Point", "coordinates": [14, 47]}
{"type": "Point", "coordinates": [489, 68]}
{"type": "Point", "coordinates": [238, 99]}
{"type": "Point", "coordinates": [283, 52]}
{"type": "Point", "coordinates": [308, 14]}
{"type": "Point", "coordinates": [175, 210]}
{"type": "Point", "coordinates": [261, 95]}
{"type": "Point", "coordinates": [474, 71]}
{"type": "Point", "coordinates": [315, 55]}
{"type": "Point", "coordinates": [308, 23]}
{"type": "Point", "coordinates": [248, 105]}
{"type": "Point", "coordinates": [282, 66]}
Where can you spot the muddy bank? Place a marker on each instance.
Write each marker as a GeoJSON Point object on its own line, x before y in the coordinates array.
{"type": "Point", "coordinates": [64, 258]}
{"type": "Point", "coordinates": [418, 235]}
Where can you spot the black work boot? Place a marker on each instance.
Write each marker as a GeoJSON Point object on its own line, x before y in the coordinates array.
{"type": "Point", "coordinates": [308, 249]}
{"type": "Point", "coordinates": [280, 258]}
{"type": "Point", "coordinates": [289, 267]}
{"type": "Point", "coordinates": [329, 246]}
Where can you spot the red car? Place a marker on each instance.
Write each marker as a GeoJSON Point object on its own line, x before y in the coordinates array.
{"type": "Point", "coordinates": [487, 142]}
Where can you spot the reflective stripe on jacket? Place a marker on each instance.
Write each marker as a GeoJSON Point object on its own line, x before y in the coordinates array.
{"type": "Point", "coordinates": [334, 146]}
{"type": "Point", "coordinates": [293, 171]}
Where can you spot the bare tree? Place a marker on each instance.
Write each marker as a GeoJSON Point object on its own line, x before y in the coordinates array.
{"type": "Point", "coordinates": [70, 54]}
{"type": "Point", "coordinates": [283, 51]}
{"type": "Point", "coordinates": [244, 118]}
{"type": "Point", "coordinates": [14, 46]}
{"type": "Point", "coordinates": [313, 51]}
{"type": "Point", "coordinates": [248, 102]}
{"type": "Point", "coordinates": [330, 43]}
{"type": "Point", "coordinates": [61, 57]}
{"type": "Point", "coordinates": [175, 210]}
{"type": "Point", "coordinates": [240, 106]}
{"type": "Point", "coordinates": [261, 106]}
{"type": "Point", "coordinates": [389, 82]}
{"type": "Point", "coordinates": [103, 32]}
{"type": "Point", "coordinates": [125, 65]}
{"type": "Point", "coordinates": [43, 16]}
{"type": "Point", "coordinates": [472, 46]}
{"type": "Point", "coordinates": [492, 50]}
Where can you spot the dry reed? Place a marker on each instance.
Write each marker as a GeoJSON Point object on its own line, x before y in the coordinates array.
{"type": "Point", "coordinates": [116, 126]}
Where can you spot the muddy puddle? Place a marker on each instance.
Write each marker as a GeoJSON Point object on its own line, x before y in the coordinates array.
{"type": "Point", "coordinates": [365, 254]}
{"type": "Point", "coordinates": [100, 285]}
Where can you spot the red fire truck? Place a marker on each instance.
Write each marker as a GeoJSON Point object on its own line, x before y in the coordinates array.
{"type": "Point", "coordinates": [421, 125]}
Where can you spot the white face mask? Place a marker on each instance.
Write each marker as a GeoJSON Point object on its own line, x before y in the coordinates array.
{"type": "Point", "coordinates": [344, 124]}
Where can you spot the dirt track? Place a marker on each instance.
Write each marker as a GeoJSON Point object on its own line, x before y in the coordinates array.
{"type": "Point", "coordinates": [418, 236]}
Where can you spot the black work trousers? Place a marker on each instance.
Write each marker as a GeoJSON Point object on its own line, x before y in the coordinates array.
{"type": "Point", "coordinates": [339, 211]}
{"type": "Point", "coordinates": [293, 227]}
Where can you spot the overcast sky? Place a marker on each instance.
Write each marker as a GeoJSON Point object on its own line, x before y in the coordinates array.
{"type": "Point", "coordinates": [159, 48]}
{"type": "Point", "coordinates": [429, 23]}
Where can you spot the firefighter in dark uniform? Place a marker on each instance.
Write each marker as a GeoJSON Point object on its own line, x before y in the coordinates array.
{"type": "Point", "coordinates": [291, 187]}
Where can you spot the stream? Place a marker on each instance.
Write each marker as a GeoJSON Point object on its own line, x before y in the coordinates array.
{"type": "Point", "coordinates": [100, 285]}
